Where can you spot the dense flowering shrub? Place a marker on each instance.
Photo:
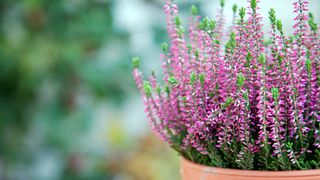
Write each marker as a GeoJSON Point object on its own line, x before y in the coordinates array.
{"type": "Point", "coordinates": [244, 102]}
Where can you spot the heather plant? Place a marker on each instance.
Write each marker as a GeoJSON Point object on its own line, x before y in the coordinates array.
{"type": "Point", "coordinates": [238, 98]}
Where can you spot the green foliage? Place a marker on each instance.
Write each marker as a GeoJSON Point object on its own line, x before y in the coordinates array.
{"type": "Point", "coordinates": [201, 78]}
{"type": "Point", "coordinates": [308, 66]}
{"type": "Point", "coordinates": [242, 13]}
{"type": "Point", "coordinates": [222, 3]}
{"type": "Point", "coordinates": [165, 47]}
{"type": "Point", "coordinates": [172, 80]}
{"type": "Point", "coordinates": [240, 80]}
{"type": "Point", "coordinates": [275, 93]}
{"type": "Point", "coordinates": [158, 90]}
{"type": "Point", "coordinates": [311, 16]}
{"type": "Point", "coordinates": [246, 161]}
{"type": "Point", "coordinates": [194, 10]}
{"type": "Point", "coordinates": [178, 21]}
{"type": "Point", "coordinates": [253, 4]}
{"type": "Point", "coordinates": [193, 78]}
{"type": "Point", "coordinates": [207, 24]}
{"type": "Point", "coordinates": [147, 88]}
{"type": "Point", "coordinates": [248, 59]}
{"type": "Point", "coordinates": [136, 62]}
{"type": "Point", "coordinates": [312, 24]}
{"type": "Point", "coordinates": [262, 58]}
{"type": "Point", "coordinates": [49, 57]}
{"type": "Point", "coordinates": [227, 103]}
{"type": "Point", "coordinates": [180, 31]}
{"type": "Point", "coordinates": [279, 26]}
{"type": "Point", "coordinates": [235, 8]}
{"type": "Point", "coordinates": [231, 44]}
{"type": "Point", "coordinates": [272, 17]}
{"type": "Point", "coordinates": [196, 53]}
{"type": "Point", "coordinates": [167, 90]}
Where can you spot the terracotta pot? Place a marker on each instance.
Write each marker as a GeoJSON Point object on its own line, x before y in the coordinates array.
{"type": "Point", "coordinates": [193, 171]}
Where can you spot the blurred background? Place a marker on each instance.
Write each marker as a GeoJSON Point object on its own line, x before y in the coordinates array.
{"type": "Point", "coordinates": [69, 108]}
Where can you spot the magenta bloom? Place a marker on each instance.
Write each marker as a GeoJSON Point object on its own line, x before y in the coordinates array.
{"type": "Point", "coordinates": [236, 97]}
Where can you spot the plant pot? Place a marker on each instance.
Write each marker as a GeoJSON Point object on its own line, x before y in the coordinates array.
{"type": "Point", "coordinates": [193, 171]}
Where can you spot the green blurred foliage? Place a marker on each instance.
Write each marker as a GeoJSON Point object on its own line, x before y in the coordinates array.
{"type": "Point", "coordinates": [48, 53]}
{"type": "Point", "coordinates": [60, 61]}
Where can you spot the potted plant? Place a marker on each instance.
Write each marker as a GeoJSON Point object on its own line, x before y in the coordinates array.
{"type": "Point", "coordinates": [244, 108]}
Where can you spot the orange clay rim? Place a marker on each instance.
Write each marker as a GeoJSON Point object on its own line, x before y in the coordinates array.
{"type": "Point", "coordinates": [250, 173]}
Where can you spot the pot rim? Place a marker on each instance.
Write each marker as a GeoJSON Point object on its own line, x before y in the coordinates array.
{"type": "Point", "coordinates": [250, 173]}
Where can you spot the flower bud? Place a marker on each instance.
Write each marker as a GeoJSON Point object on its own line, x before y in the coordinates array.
{"type": "Point", "coordinates": [234, 8]}
{"type": "Point", "coordinates": [242, 13]}
{"type": "Point", "coordinates": [136, 62]}
{"type": "Point", "coordinates": [194, 10]}
{"type": "Point", "coordinates": [222, 3]}
{"type": "Point", "coordinates": [272, 17]}
{"type": "Point", "coordinates": [165, 47]}
{"type": "Point", "coordinates": [147, 88]}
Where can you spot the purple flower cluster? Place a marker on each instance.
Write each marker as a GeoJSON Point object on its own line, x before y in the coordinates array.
{"type": "Point", "coordinates": [244, 102]}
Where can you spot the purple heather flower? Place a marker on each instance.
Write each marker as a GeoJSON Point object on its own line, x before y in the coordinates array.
{"type": "Point", "coordinates": [230, 96]}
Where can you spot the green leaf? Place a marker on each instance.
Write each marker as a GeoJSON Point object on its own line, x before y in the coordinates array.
{"type": "Point", "coordinates": [189, 46]}
{"type": "Point", "coordinates": [147, 88]}
{"type": "Point", "coordinates": [279, 25]}
{"type": "Point", "coordinates": [240, 80]}
{"type": "Point", "coordinates": [313, 25]}
{"type": "Point", "coordinates": [275, 93]}
{"type": "Point", "coordinates": [207, 24]}
{"type": "Point", "coordinates": [228, 102]}
{"type": "Point", "coordinates": [193, 78]}
{"type": "Point", "coordinates": [310, 15]}
{"type": "Point", "coordinates": [136, 62]}
{"type": "Point", "coordinates": [172, 80]}
{"type": "Point", "coordinates": [222, 3]}
{"type": "Point", "coordinates": [234, 8]}
{"type": "Point", "coordinates": [196, 53]}
{"type": "Point", "coordinates": [242, 13]}
{"type": "Point", "coordinates": [167, 89]}
{"type": "Point", "coordinates": [178, 21]}
{"type": "Point", "coordinates": [272, 16]}
{"type": "Point", "coordinates": [253, 4]}
{"type": "Point", "coordinates": [158, 90]}
{"type": "Point", "coordinates": [165, 47]}
{"type": "Point", "coordinates": [212, 24]}
{"type": "Point", "coordinates": [180, 31]}
{"type": "Point", "coordinates": [262, 59]}
{"type": "Point", "coordinates": [246, 96]}
{"type": "Point", "coordinates": [194, 10]}
{"type": "Point", "coordinates": [201, 78]}
{"type": "Point", "coordinates": [308, 65]}
{"type": "Point", "coordinates": [248, 59]}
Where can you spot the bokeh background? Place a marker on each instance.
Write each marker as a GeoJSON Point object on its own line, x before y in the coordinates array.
{"type": "Point", "coordinates": [68, 105]}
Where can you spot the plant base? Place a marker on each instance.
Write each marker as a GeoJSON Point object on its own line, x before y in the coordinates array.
{"type": "Point", "coordinates": [193, 171]}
